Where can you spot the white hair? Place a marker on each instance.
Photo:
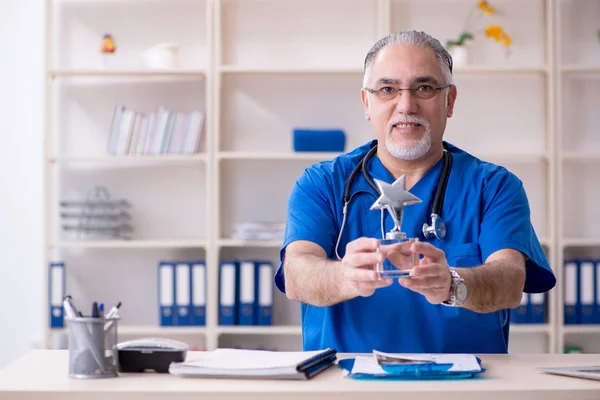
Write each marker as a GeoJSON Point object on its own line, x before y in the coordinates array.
{"type": "Point", "coordinates": [415, 39]}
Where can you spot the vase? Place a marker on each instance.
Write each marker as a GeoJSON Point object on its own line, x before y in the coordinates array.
{"type": "Point", "coordinates": [460, 56]}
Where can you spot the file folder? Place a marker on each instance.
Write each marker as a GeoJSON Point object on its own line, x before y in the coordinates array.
{"type": "Point", "coordinates": [228, 293]}
{"type": "Point", "coordinates": [198, 270]}
{"type": "Point", "coordinates": [538, 308]}
{"type": "Point", "coordinates": [571, 289]}
{"type": "Point", "coordinates": [520, 315]}
{"type": "Point", "coordinates": [265, 293]}
{"type": "Point", "coordinates": [56, 294]}
{"type": "Point", "coordinates": [166, 293]}
{"type": "Point", "coordinates": [248, 291]}
{"type": "Point", "coordinates": [597, 292]}
{"type": "Point", "coordinates": [183, 298]}
{"type": "Point", "coordinates": [587, 298]}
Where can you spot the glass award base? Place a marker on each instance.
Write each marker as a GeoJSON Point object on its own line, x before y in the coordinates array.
{"type": "Point", "coordinates": [399, 259]}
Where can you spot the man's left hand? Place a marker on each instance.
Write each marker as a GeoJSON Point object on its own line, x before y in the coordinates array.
{"type": "Point", "coordinates": [431, 277]}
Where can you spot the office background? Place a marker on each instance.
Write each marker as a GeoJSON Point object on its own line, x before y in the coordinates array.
{"type": "Point", "coordinates": [533, 112]}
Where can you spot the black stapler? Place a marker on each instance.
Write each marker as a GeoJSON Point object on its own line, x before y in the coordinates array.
{"type": "Point", "coordinates": [150, 354]}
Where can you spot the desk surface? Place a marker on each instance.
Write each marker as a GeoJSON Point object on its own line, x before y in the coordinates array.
{"type": "Point", "coordinates": [42, 374]}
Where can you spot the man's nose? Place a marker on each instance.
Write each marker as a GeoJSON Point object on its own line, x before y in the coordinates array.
{"type": "Point", "coordinates": [406, 102]}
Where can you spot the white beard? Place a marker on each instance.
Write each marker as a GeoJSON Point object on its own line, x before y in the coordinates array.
{"type": "Point", "coordinates": [416, 149]}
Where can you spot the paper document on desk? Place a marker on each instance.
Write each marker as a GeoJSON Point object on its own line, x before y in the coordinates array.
{"type": "Point", "coordinates": [412, 366]}
{"type": "Point", "coordinates": [236, 363]}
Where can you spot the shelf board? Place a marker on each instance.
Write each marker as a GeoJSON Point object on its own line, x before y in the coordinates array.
{"type": "Point", "coordinates": [580, 68]}
{"type": "Point", "coordinates": [250, 243]}
{"type": "Point", "coordinates": [134, 158]}
{"type": "Point", "coordinates": [260, 330]}
{"type": "Point", "coordinates": [236, 69]}
{"type": "Point", "coordinates": [129, 244]}
{"type": "Point", "coordinates": [572, 156]}
{"type": "Point", "coordinates": [481, 69]}
{"type": "Point", "coordinates": [277, 156]}
{"type": "Point", "coordinates": [512, 158]}
{"type": "Point", "coordinates": [99, 73]}
{"type": "Point", "coordinates": [155, 330]}
{"type": "Point", "coordinates": [359, 70]}
{"type": "Point", "coordinates": [594, 329]}
{"type": "Point", "coordinates": [583, 242]}
{"type": "Point", "coordinates": [526, 328]}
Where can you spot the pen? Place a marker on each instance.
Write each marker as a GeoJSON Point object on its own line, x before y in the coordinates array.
{"type": "Point", "coordinates": [113, 311]}
{"type": "Point", "coordinates": [69, 308]}
{"type": "Point", "coordinates": [95, 312]}
{"type": "Point", "coordinates": [111, 314]}
{"type": "Point", "coordinates": [101, 310]}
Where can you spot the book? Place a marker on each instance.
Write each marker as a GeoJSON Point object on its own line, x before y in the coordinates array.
{"type": "Point", "coordinates": [256, 364]}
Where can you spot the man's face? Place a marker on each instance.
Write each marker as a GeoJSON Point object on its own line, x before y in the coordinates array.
{"type": "Point", "coordinates": [408, 124]}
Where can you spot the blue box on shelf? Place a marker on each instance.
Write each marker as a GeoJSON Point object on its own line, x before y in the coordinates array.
{"type": "Point", "coordinates": [326, 140]}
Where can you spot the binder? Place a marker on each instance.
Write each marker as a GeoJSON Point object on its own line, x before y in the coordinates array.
{"type": "Point", "coordinates": [166, 293]}
{"type": "Point", "coordinates": [198, 279]}
{"type": "Point", "coordinates": [597, 293]}
{"type": "Point", "coordinates": [522, 312]}
{"type": "Point", "coordinates": [265, 293]}
{"type": "Point", "coordinates": [538, 308]}
{"type": "Point", "coordinates": [183, 298]}
{"type": "Point", "coordinates": [56, 294]}
{"type": "Point", "coordinates": [571, 289]}
{"type": "Point", "coordinates": [587, 299]}
{"type": "Point", "coordinates": [228, 293]}
{"type": "Point", "coordinates": [247, 293]}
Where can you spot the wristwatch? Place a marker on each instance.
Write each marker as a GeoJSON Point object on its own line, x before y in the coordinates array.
{"type": "Point", "coordinates": [458, 290]}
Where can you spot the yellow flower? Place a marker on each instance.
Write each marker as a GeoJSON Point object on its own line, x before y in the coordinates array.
{"type": "Point", "coordinates": [485, 7]}
{"type": "Point", "coordinates": [498, 34]}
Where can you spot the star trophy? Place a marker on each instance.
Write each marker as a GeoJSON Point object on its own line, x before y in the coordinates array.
{"type": "Point", "coordinates": [399, 259]}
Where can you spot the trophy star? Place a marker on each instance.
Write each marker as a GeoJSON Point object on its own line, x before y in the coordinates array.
{"type": "Point", "coordinates": [394, 196]}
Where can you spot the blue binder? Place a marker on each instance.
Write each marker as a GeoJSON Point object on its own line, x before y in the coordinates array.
{"type": "Point", "coordinates": [198, 271]}
{"type": "Point", "coordinates": [521, 314]}
{"type": "Point", "coordinates": [228, 287]}
{"type": "Point", "coordinates": [56, 293]}
{"type": "Point", "coordinates": [587, 299]}
{"type": "Point", "coordinates": [538, 307]}
{"type": "Point", "coordinates": [166, 293]}
{"type": "Point", "coordinates": [248, 290]}
{"type": "Point", "coordinates": [183, 289]}
{"type": "Point", "coordinates": [597, 292]}
{"type": "Point", "coordinates": [265, 293]}
{"type": "Point", "coordinates": [571, 292]}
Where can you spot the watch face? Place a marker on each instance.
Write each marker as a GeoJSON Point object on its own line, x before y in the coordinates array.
{"type": "Point", "coordinates": [461, 291]}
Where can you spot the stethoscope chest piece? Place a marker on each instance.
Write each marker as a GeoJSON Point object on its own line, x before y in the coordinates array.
{"type": "Point", "coordinates": [437, 228]}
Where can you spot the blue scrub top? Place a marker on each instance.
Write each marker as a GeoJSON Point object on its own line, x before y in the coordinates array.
{"type": "Point", "coordinates": [485, 210]}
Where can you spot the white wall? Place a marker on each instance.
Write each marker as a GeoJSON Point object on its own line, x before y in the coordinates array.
{"type": "Point", "coordinates": [21, 176]}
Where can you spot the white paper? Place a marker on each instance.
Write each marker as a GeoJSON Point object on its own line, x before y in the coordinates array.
{"type": "Point", "coordinates": [245, 363]}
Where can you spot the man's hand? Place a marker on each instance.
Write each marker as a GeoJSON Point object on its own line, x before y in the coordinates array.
{"type": "Point", "coordinates": [358, 268]}
{"type": "Point", "coordinates": [431, 277]}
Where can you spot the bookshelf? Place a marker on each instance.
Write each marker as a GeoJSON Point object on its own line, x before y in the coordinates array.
{"type": "Point", "coordinates": [238, 59]}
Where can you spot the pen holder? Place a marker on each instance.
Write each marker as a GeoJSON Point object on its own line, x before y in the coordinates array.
{"type": "Point", "coordinates": [92, 347]}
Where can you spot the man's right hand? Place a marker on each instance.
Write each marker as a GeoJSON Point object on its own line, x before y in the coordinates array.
{"type": "Point", "coordinates": [358, 268]}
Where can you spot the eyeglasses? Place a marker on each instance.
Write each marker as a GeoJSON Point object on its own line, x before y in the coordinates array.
{"type": "Point", "coordinates": [423, 92]}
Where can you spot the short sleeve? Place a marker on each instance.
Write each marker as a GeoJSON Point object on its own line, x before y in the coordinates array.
{"type": "Point", "coordinates": [506, 223]}
{"type": "Point", "coordinates": [309, 215]}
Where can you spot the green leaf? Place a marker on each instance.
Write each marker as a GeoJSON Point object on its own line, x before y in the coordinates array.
{"type": "Point", "coordinates": [464, 37]}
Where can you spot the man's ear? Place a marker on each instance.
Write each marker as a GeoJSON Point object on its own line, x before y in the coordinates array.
{"type": "Point", "coordinates": [365, 100]}
{"type": "Point", "coordinates": [452, 93]}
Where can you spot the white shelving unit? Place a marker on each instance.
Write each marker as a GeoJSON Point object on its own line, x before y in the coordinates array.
{"type": "Point", "coordinates": [257, 71]}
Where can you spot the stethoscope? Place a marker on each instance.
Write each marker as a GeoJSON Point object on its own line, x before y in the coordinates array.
{"type": "Point", "coordinates": [437, 228]}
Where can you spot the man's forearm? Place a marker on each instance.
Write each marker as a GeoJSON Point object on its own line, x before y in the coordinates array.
{"type": "Point", "coordinates": [494, 286]}
{"type": "Point", "coordinates": [313, 280]}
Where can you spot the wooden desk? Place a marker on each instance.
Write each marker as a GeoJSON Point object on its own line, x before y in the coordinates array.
{"type": "Point", "coordinates": [42, 374]}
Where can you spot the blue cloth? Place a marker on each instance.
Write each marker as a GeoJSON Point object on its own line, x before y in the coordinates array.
{"type": "Point", "coordinates": [485, 210]}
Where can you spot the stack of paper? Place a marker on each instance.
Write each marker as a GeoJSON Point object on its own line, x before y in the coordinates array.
{"type": "Point", "coordinates": [235, 363]}
{"type": "Point", "coordinates": [381, 365]}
